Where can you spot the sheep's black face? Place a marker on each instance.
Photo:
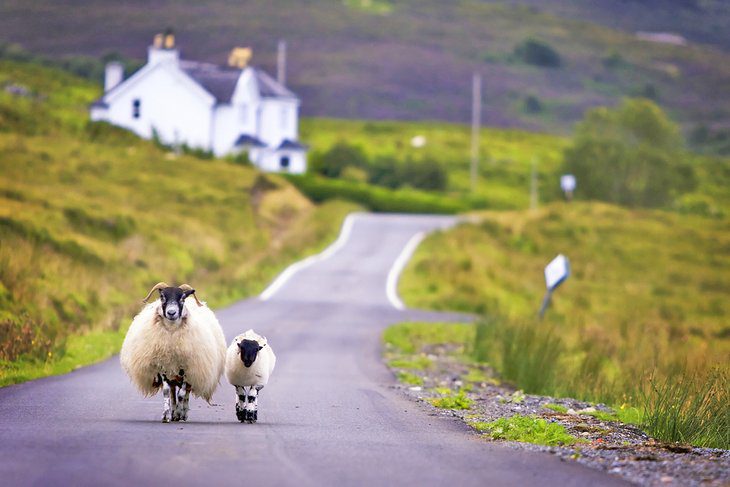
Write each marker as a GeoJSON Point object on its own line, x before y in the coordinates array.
{"type": "Point", "coordinates": [249, 350]}
{"type": "Point", "coordinates": [172, 302]}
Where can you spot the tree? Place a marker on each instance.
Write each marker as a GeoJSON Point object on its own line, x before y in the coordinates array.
{"type": "Point", "coordinates": [630, 155]}
{"type": "Point", "coordinates": [538, 53]}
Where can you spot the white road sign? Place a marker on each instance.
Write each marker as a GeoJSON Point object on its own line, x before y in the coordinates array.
{"type": "Point", "coordinates": [567, 183]}
{"type": "Point", "coordinates": [556, 271]}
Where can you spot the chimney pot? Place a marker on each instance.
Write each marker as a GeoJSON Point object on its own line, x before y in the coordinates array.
{"type": "Point", "coordinates": [113, 75]}
{"type": "Point", "coordinates": [239, 57]}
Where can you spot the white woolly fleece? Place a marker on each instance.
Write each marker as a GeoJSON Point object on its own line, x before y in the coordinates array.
{"type": "Point", "coordinates": [197, 346]}
{"type": "Point", "coordinates": [259, 372]}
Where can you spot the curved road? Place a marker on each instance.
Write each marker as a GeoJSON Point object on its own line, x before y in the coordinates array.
{"type": "Point", "coordinates": [329, 416]}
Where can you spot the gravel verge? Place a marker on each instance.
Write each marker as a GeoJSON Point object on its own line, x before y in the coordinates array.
{"type": "Point", "coordinates": [609, 445]}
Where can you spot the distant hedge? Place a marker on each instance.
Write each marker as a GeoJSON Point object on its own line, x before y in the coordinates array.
{"type": "Point", "coordinates": [377, 198]}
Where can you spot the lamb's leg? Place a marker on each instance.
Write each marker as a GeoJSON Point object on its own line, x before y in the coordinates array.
{"type": "Point", "coordinates": [256, 404]}
{"type": "Point", "coordinates": [240, 403]}
{"type": "Point", "coordinates": [166, 397]}
{"type": "Point", "coordinates": [251, 405]}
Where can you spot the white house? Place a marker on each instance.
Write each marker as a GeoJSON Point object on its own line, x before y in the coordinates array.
{"type": "Point", "coordinates": [223, 109]}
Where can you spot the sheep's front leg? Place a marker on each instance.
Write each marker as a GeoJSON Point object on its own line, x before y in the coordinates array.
{"type": "Point", "coordinates": [166, 402]}
{"type": "Point", "coordinates": [241, 403]}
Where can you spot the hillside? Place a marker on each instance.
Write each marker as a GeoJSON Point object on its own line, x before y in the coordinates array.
{"type": "Point", "coordinates": [91, 217]}
{"type": "Point", "coordinates": [413, 59]}
{"type": "Point", "coordinates": [642, 319]}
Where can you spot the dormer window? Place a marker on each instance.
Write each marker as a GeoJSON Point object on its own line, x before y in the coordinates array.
{"type": "Point", "coordinates": [136, 106]}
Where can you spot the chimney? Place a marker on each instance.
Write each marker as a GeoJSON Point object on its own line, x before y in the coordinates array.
{"type": "Point", "coordinates": [239, 57]}
{"type": "Point", "coordinates": [281, 63]}
{"type": "Point", "coordinates": [113, 75]}
{"type": "Point", "coordinates": [163, 48]}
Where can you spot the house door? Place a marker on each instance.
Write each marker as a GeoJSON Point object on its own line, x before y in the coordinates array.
{"type": "Point", "coordinates": [284, 163]}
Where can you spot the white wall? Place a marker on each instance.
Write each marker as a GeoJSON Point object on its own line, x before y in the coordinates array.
{"type": "Point", "coordinates": [271, 161]}
{"type": "Point", "coordinates": [239, 117]}
{"type": "Point", "coordinates": [278, 120]}
{"type": "Point", "coordinates": [170, 103]}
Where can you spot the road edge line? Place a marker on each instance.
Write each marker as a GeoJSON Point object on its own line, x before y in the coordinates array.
{"type": "Point", "coordinates": [290, 271]}
{"type": "Point", "coordinates": [391, 285]}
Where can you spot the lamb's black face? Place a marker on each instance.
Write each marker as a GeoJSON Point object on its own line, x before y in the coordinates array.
{"type": "Point", "coordinates": [173, 301]}
{"type": "Point", "coordinates": [249, 350]}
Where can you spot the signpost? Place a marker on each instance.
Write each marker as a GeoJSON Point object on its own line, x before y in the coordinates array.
{"type": "Point", "coordinates": [556, 272]}
{"type": "Point", "coordinates": [567, 184]}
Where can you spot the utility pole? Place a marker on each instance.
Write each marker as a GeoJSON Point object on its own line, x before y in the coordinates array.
{"type": "Point", "coordinates": [281, 62]}
{"type": "Point", "coordinates": [533, 185]}
{"type": "Point", "coordinates": [476, 118]}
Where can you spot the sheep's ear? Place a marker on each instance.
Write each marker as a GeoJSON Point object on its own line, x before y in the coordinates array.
{"type": "Point", "coordinates": [260, 347]}
{"type": "Point", "coordinates": [188, 292]}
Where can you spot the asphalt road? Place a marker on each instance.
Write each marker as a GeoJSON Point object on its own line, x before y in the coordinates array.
{"type": "Point", "coordinates": [329, 415]}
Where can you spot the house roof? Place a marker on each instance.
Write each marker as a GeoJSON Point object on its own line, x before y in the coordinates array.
{"type": "Point", "coordinates": [248, 140]}
{"type": "Point", "coordinates": [291, 145]}
{"type": "Point", "coordinates": [269, 87]}
{"type": "Point", "coordinates": [220, 81]}
{"type": "Point", "coordinates": [217, 80]}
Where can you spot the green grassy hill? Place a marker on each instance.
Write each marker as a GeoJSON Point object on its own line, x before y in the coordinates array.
{"type": "Point", "coordinates": [91, 217]}
{"type": "Point", "coordinates": [646, 303]}
{"type": "Point", "coordinates": [413, 59]}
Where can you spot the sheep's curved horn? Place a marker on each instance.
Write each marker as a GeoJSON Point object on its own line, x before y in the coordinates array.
{"type": "Point", "coordinates": [188, 287]}
{"type": "Point", "coordinates": [157, 286]}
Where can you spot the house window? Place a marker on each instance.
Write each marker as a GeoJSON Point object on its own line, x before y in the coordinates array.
{"type": "Point", "coordinates": [136, 104]}
{"type": "Point", "coordinates": [284, 163]}
{"type": "Point", "coordinates": [243, 114]}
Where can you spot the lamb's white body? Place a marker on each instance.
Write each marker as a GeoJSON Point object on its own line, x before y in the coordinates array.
{"type": "Point", "coordinates": [248, 381]}
{"type": "Point", "coordinates": [154, 346]}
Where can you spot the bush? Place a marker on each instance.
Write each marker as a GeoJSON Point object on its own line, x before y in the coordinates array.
{"type": "Point", "coordinates": [631, 155]}
{"type": "Point", "coordinates": [428, 174]}
{"type": "Point", "coordinates": [537, 53]}
{"type": "Point", "coordinates": [341, 155]}
{"type": "Point", "coordinates": [376, 199]}
{"type": "Point", "coordinates": [532, 104]}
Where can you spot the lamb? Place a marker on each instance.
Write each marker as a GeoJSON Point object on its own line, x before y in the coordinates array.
{"type": "Point", "coordinates": [249, 363]}
{"type": "Point", "coordinates": [174, 345]}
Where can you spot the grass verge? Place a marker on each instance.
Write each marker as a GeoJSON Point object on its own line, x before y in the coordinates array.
{"type": "Point", "coordinates": [527, 429]}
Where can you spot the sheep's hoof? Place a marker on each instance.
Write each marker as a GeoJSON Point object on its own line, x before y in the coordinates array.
{"type": "Point", "coordinates": [165, 419]}
{"type": "Point", "coordinates": [254, 416]}
{"type": "Point", "coordinates": [241, 415]}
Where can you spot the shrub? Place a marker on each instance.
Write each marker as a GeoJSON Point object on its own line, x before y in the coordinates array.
{"type": "Point", "coordinates": [341, 155]}
{"type": "Point", "coordinates": [631, 155]}
{"type": "Point", "coordinates": [537, 53]}
{"type": "Point", "coordinates": [532, 104]}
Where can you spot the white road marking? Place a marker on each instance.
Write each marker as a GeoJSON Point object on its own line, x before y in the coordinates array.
{"type": "Point", "coordinates": [311, 260]}
{"type": "Point", "coordinates": [391, 285]}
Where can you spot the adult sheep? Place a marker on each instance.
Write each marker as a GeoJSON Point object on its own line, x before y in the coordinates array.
{"type": "Point", "coordinates": [174, 345]}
